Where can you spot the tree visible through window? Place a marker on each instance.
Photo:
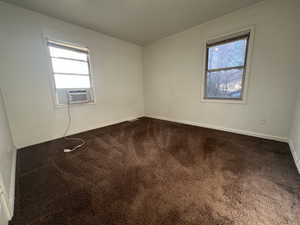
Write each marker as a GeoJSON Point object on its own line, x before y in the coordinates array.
{"type": "Point", "coordinates": [225, 68]}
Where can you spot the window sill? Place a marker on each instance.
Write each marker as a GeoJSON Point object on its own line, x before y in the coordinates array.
{"type": "Point", "coordinates": [63, 106]}
{"type": "Point", "coordinates": [224, 101]}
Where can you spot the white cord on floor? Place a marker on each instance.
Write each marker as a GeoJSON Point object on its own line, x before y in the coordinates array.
{"type": "Point", "coordinates": [71, 139]}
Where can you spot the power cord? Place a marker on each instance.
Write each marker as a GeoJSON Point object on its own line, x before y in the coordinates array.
{"type": "Point", "coordinates": [66, 150]}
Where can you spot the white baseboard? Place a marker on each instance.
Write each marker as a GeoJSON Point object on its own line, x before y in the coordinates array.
{"type": "Point", "coordinates": [77, 131]}
{"type": "Point", "coordinates": [105, 124]}
{"type": "Point", "coordinates": [295, 155]}
{"type": "Point", "coordinates": [205, 125]}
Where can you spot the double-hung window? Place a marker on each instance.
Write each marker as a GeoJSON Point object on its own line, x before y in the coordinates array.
{"type": "Point", "coordinates": [71, 70]}
{"type": "Point", "coordinates": [226, 62]}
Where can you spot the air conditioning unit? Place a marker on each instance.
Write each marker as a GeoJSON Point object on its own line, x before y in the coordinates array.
{"type": "Point", "coordinates": [78, 96]}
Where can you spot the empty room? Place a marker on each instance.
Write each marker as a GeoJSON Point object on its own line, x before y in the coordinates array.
{"type": "Point", "coordinates": [149, 112]}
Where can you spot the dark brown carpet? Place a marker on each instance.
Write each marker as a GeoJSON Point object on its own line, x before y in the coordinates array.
{"type": "Point", "coordinates": [156, 172]}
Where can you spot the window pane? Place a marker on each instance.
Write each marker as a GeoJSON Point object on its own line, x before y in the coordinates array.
{"type": "Point", "coordinates": [69, 66]}
{"type": "Point", "coordinates": [227, 55]}
{"type": "Point", "coordinates": [71, 81]}
{"type": "Point", "coordinates": [65, 53]}
{"type": "Point", "coordinates": [225, 84]}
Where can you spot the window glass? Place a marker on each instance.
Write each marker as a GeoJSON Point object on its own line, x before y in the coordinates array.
{"type": "Point", "coordinates": [225, 69]}
{"type": "Point", "coordinates": [71, 70]}
{"type": "Point", "coordinates": [71, 81]}
{"type": "Point", "coordinates": [66, 53]}
{"type": "Point", "coordinates": [69, 66]}
{"type": "Point", "coordinates": [230, 54]}
{"type": "Point", "coordinates": [225, 84]}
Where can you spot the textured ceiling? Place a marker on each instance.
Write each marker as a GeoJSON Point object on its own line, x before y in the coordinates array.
{"type": "Point", "coordinates": [138, 21]}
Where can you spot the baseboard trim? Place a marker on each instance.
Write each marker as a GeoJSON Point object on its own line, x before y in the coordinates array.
{"type": "Point", "coordinates": [105, 124]}
{"type": "Point", "coordinates": [295, 155]}
{"type": "Point", "coordinates": [78, 131]}
{"type": "Point", "coordinates": [236, 131]}
{"type": "Point", "coordinates": [12, 184]}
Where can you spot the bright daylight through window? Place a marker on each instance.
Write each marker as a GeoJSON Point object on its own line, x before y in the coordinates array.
{"type": "Point", "coordinates": [71, 69]}
{"type": "Point", "coordinates": [226, 68]}
{"type": "Point", "coordinates": [70, 66]}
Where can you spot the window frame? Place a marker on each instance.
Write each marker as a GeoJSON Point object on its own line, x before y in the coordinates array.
{"type": "Point", "coordinates": [72, 46]}
{"type": "Point", "coordinates": [222, 39]}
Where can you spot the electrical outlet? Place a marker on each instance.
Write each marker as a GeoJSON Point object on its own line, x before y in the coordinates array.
{"type": "Point", "coordinates": [263, 122]}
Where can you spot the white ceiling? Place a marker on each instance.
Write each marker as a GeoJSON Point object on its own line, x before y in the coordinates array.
{"type": "Point", "coordinates": [138, 21]}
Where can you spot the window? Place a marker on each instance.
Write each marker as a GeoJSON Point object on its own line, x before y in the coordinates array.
{"type": "Point", "coordinates": [71, 70]}
{"type": "Point", "coordinates": [226, 68]}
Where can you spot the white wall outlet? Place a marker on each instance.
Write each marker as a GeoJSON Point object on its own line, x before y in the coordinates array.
{"type": "Point", "coordinates": [263, 122]}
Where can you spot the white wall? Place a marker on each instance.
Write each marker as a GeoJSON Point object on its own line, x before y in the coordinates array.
{"type": "Point", "coordinates": [3, 220]}
{"type": "Point", "coordinates": [117, 70]}
{"type": "Point", "coordinates": [294, 138]}
{"type": "Point", "coordinates": [7, 157]}
{"type": "Point", "coordinates": [173, 69]}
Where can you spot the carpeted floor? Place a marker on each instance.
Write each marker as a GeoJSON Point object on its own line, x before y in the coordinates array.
{"type": "Point", "coordinates": [156, 172]}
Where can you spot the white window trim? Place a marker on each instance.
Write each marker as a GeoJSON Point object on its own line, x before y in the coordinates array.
{"type": "Point", "coordinates": [45, 39]}
{"type": "Point", "coordinates": [225, 36]}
